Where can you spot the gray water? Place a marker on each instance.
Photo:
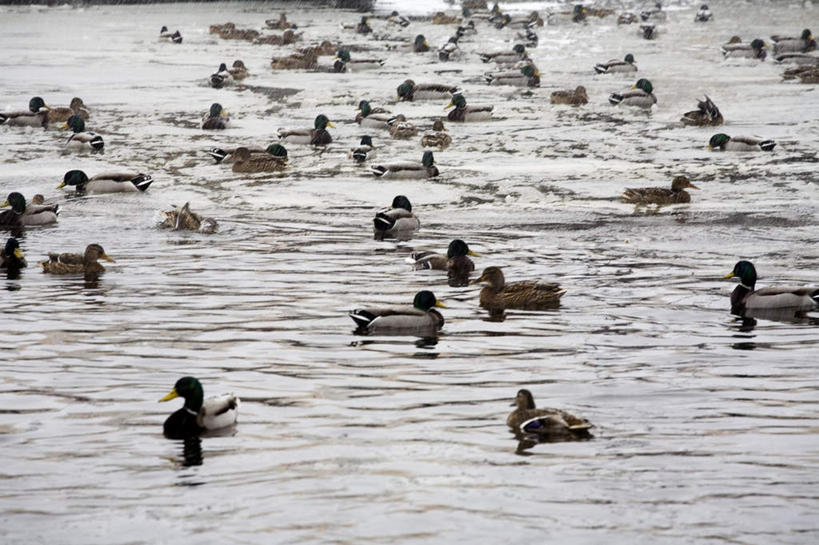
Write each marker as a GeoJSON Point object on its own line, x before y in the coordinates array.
{"type": "Point", "coordinates": [706, 432]}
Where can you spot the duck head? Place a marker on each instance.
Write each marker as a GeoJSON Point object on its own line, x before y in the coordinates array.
{"type": "Point", "coordinates": [75, 178]}
{"type": "Point", "coordinates": [425, 300]}
{"type": "Point", "coordinates": [493, 276]}
{"type": "Point", "coordinates": [718, 140]}
{"type": "Point", "coordinates": [16, 201]}
{"type": "Point", "coordinates": [190, 389]}
{"type": "Point", "coordinates": [367, 141]}
{"type": "Point", "coordinates": [629, 58]}
{"type": "Point", "coordinates": [405, 89]}
{"type": "Point", "coordinates": [524, 400]}
{"type": "Point", "coordinates": [277, 150]}
{"type": "Point", "coordinates": [36, 104]}
{"type": "Point", "coordinates": [644, 85]}
{"type": "Point", "coordinates": [75, 123]}
{"type": "Point", "coordinates": [216, 110]}
{"type": "Point", "coordinates": [13, 248]}
{"type": "Point", "coordinates": [459, 248]}
{"type": "Point", "coordinates": [94, 252]}
{"type": "Point", "coordinates": [343, 55]}
{"type": "Point", "coordinates": [746, 272]}
{"type": "Point", "coordinates": [427, 159]}
{"type": "Point", "coordinates": [321, 122]}
{"type": "Point", "coordinates": [458, 101]}
{"type": "Point", "coordinates": [400, 201]}
{"type": "Point", "coordinates": [681, 182]}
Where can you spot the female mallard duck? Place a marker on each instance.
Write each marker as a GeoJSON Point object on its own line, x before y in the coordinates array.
{"type": "Point", "coordinates": [67, 263]}
{"type": "Point", "coordinates": [287, 37]}
{"type": "Point", "coordinates": [425, 169]}
{"type": "Point", "coordinates": [421, 318]}
{"type": "Point", "coordinates": [755, 50]}
{"type": "Point", "coordinates": [355, 65]}
{"type": "Point", "coordinates": [441, 18]}
{"type": "Point", "coordinates": [527, 76]}
{"type": "Point", "coordinates": [198, 415]}
{"type": "Point", "coordinates": [184, 219]}
{"type": "Point", "coordinates": [82, 139]}
{"type": "Point", "coordinates": [410, 91]}
{"type": "Point", "coordinates": [572, 98]}
{"type": "Point", "coordinates": [401, 129]}
{"type": "Point", "coordinates": [456, 262]}
{"type": "Point", "coordinates": [661, 195]}
{"type": "Point", "coordinates": [11, 257]}
{"type": "Point", "coordinates": [364, 151]}
{"type": "Point", "coordinates": [615, 66]}
{"type": "Point", "coordinates": [22, 214]}
{"type": "Point", "coordinates": [367, 116]}
{"type": "Point", "coordinates": [317, 136]}
{"type": "Point", "coordinates": [789, 44]}
{"type": "Point", "coordinates": [706, 114]}
{"type": "Point", "coordinates": [641, 95]}
{"type": "Point", "coordinates": [723, 142]}
{"type": "Point", "coordinates": [806, 74]}
{"type": "Point", "coordinates": [553, 424]}
{"type": "Point", "coordinates": [798, 58]}
{"type": "Point", "coordinates": [279, 24]}
{"type": "Point", "coordinates": [110, 182]}
{"type": "Point", "coordinates": [397, 221]}
{"type": "Point", "coordinates": [304, 60]}
{"type": "Point", "coordinates": [437, 138]}
{"type": "Point", "coordinates": [216, 118]}
{"type": "Point", "coordinates": [273, 159]}
{"type": "Point", "coordinates": [36, 116]}
{"type": "Point", "coordinates": [463, 113]}
{"type": "Point", "coordinates": [166, 35]}
{"type": "Point", "coordinates": [745, 299]}
{"type": "Point", "coordinates": [525, 295]}
{"type": "Point", "coordinates": [518, 53]}
{"type": "Point", "coordinates": [703, 14]}
{"type": "Point", "coordinates": [61, 114]}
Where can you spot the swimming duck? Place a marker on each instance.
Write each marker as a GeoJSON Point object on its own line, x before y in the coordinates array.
{"type": "Point", "coordinates": [577, 15]}
{"type": "Point", "coordinates": [184, 219]}
{"type": "Point", "coordinates": [401, 129]}
{"type": "Point", "coordinates": [648, 32]}
{"type": "Point", "coordinates": [706, 114]}
{"type": "Point", "coordinates": [198, 415]}
{"type": "Point", "coordinates": [438, 138]}
{"type": "Point", "coordinates": [317, 136]}
{"type": "Point", "coordinates": [449, 51]}
{"type": "Point", "coordinates": [166, 35]}
{"type": "Point", "coordinates": [420, 318]}
{"type": "Point", "coordinates": [109, 182]}
{"type": "Point", "coordinates": [528, 76]}
{"type": "Point", "coordinates": [238, 71]}
{"type": "Point", "coordinates": [364, 151]}
{"type": "Point", "coordinates": [233, 33]}
{"type": "Point", "coordinates": [640, 95]}
{"type": "Point", "coordinates": [573, 98]}
{"type": "Point", "coordinates": [723, 142]}
{"type": "Point", "coordinates": [11, 257]}
{"type": "Point", "coordinates": [217, 29]}
{"type": "Point", "coordinates": [661, 195]}
{"type": "Point", "coordinates": [755, 50]}
{"type": "Point", "coordinates": [425, 169]}
{"type": "Point", "coordinates": [61, 114]}
{"type": "Point", "coordinates": [36, 116]}
{"type": "Point", "coordinates": [411, 91]}
{"type": "Point", "coordinates": [627, 18]}
{"type": "Point", "coordinates": [82, 139]}
{"type": "Point", "coordinates": [798, 58]}
{"type": "Point", "coordinates": [367, 116]}
{"type": "Point", "coordinates": [703, 14]}
{"type": "Point", "coordinates": [554, 424]}
{"type": "Point", "coordinates": [789, 44]}
{"type": "Point", "coordinates": [216, 118]}
{"type": "Point", "coordinates": [228, 155]}
{"type": "Point", "coordinates": [23, 214]}
{"type": "Point", "coordinates": [279, 24]}
{"type": "Point", "coordinates": [456, 262]}
{"type": "Point", "coordinates": [420, 45]}
{"type": "Point", "coordinates": [518, 53]}
{"type": "Point", "coordinates": [806, 74]}
{"type": "Point", "coordinates": [441, 18]}
{"type": "Point", "coordinates": [615, 66]}
{"type": "Point", "coordinates": [463, 113]}
{"type": "Point", "coordinates": [530, 37]}
{"type": "Point", "coordinates": [67, 263]}
{"type": "Point", "coordinates": [301, 60]}
{"type": "Point", "coordinates": [396, 19]}
{"type": "Point", "coordinates": [745, 299]}
{"type": "Point", "coordinates": [654, 14]}
{"type": "Point", "coordinates": [363, 26]}
{"type": "Point", "coordinates": [358, 64]}
{"type": "Point", "coordinates": [525, 295]}
{"type": "Point", "coordinates": [221, 78]}
{"type": "Point", "coordinates": [287, 37]}
{"type": "Point", "coordinates": [274, 159]}
{"type": "Point", "coordinates": [397, 221]}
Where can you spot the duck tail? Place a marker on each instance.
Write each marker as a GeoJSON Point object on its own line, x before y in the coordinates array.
{"type": "Point", "coordinates": [3, 118]}
{"type": "Point", "coordinates": [615, 99]}
{"type": "Point", "coordinates": [601, 68]}
{"type": "Point", "coordinates": [767, 145]}
{"type": "Point", "coordinates": [218, 154]}
{"type": "Point", "coordinates": [361, 317]}
{"type": "Point", "coordinates": [485, 58]}
{"type": "Point", "coordinates": [359, 155]}
{"type": "Point", "coordinates": [382, 222]}
{"type": "Point", "coordinates": [176, 37]}
{"type": "Point", "coordinates": [142, 181]}
{"type": "Point", "coordinates": [97, 143]}
{"type": "Point", "coordinates": [378, 170]}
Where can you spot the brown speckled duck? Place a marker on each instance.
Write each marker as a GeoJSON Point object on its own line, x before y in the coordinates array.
{"type": "Point", "coordinates": [437, 138]}
{"type": "Point", "coordinates": [67, 263]}
{"type": "Point", "coordinates": [525, 295]}
{"type": "Point", "coordinates": [706, 114]}
{"type": "Point", "coordinates": [273, 159]}
{"type": "Point", "coordinates": [61, 114]}
{"type": "Point", "coordinates": [572, 98]}
{"type": "Point", "coordinates": [661, 195]}
{"type": "Point", "coordinates": [553, 424]}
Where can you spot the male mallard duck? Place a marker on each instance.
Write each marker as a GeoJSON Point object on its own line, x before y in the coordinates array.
{"type": "Point", "coordinates": [548, 423]}
{"type": "Point", "coordinates": [640, 95]}
{"type": "Point", "coordinates": [411, 91]}
{"type": "Point", "coordinates": [420, 45]}
{"type": "Point", "coordinates": [648, 32]}
{"type": "Point", "coordinates": [745, 299]}
{"type": "Point", "coordinates": [183, 219]}
{"type": "Point", "coordinates": [367, 116]}
{"type": "Point", "coordinates": [401, 129]}
{"type": "Point", "coordinates": [397, 19]}
{"type": "Point", "coordinates": [61, 115]}
{"type": "Point", "coordinates": [364, 151]}
{"type": "Point", "coordinates": [166, 35]}
{"type": "Point", "coordinates": [577, 15]}
{"type": "Point", "coordinates": [109, 182]}
{"type": "Point", "coordinates": [615, 66]}
{"type": "Point", "coordinates": [528, 76]}
{"type": "Point", "coordinates": [789, 44]}
{"type": "Point", "coordinates": [358, 64]}
{"type": "Point", "coordinates": [397, 221]}
{"type": "Point", "coordinates": [463, 113]}
{"type": "Point", "coordinates": [421, 318]}
{"type": "Point", "coordinates": [518, 53]}
{"type": "Point", "coordinates": [754, 50]}
{"type": "Point", "coordinates": [279, 24]}
{"type": "Point", "coordinates": [703, 14]}
{"type": "Point", "coordinates": [305, 60]}
{"type": "Point", "coordinates": [573, 98]}
{"type": "Point", "coordinates": [525, 295]}
{"type": "Point", "coordinates": [273, 159]}
{"type": "Point", "coordinates": [706, 114]}
{"type": "Point", "coordinates": [438, 138]}
{"type": "Point", "coordinates": [456, 262]}
{"type": "Point", "coordinates": [82, 139]}
{"type": "Point", "coordinates": [450, 50]}
{"type": "Point", "coordinates": [67, 263]}
{"type": "Point", "coordinates": [425, 169]}
{"type": "Point", "coordinates": [198, 415]}
{"type": "Point", "coordinates": [11, 257]}
{"type": "Point", "coordinates": [661, 195]}
{"type": "Point", "coordinates": [221, 78]}
{"type": "Point", "coordinates": [654, 14]}
{"type": "Point", "coordinates": [216, 118]}
{"type": "Point", "coordinates": [317, 136]}
{"type": "Point", "coordinates": [22, 214]}
{"type": "Point", "coordinates": [723, 142]}
{"type": "Point", "coordinates": [363, 26]}
{"type": "Point", "coordinates": [36, 116]}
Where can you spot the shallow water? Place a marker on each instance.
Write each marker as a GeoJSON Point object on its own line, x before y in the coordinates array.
{"type": "Point", "coordinates": [705, 431]}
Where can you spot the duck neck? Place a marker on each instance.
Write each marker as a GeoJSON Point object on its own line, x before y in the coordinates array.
{"type": "Point", "coordinates": [193, 400]}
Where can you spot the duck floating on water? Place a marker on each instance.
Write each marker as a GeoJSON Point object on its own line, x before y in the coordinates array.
{"type": "Point", "coordinates": [661, 195]}
{"type": "Point", "coordinates": [68, 263]}
{"type": "Point", "coordinates": [397, 221]}
{"type": "Point", "coordinates": [746, 299]}
{"type": "Point", "coordinates": [425, 169]}
{"type": "Point", "coordinates": [641, 95]}
{"type": "Point", "coordinates": [198, 415]}
{"type": "Point", "coordinates": [317, 136]}
{"type": "Point", "coordinates": [547, 424]}
{"type": "Point", "coordinates": [419, 319]}
{"type": "Point", "coordinates": [497, 294]}
{"type": "Point", "coordinates": [108, 182]}
{"type": "Point", "coordinates": [456, 262]}
{"type": "Point", "coordinates": [23, 214]}
{"type": "Point", "coordinates": [707, 114]}
{"type": "Point", "coordinates": [723, 142]}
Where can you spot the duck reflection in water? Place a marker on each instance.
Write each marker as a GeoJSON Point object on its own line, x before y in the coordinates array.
{"type": "Point", "coordinates": [191, 452]}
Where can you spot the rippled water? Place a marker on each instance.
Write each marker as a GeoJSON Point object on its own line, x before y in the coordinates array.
{"type": "Point", "coordinates": [705, 431]}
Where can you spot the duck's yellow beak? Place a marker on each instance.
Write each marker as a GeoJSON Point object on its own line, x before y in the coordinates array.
{"type": "Point", "coordinates": [633, 87]}
{"type": "Point", "coordinates": [223, 112]}
{"type": "Point", "coordinates": [107, 257]}
{"type": "Point", "coordinates": [440, 304]}
{"type": "Point", "coordinates": [62, 185]}
{"type": "Point", "coordinates": [766, 46]}
{"type": "Point", "coordinates": [5, 204]}
{"type": "Point", "coordinates": [64, 126]}
{"type": "Point", "coordinates": [473, 254]}
{"type": "Point", "coordinates": [331, 125]}
{"type": "Point", "coordinates": [710, 147]}
{"type": "Point", "coordinates": [448, 106]}
{"type": "Point", "coordinates": [18, 254]}
{"type": "Point", "coordinates": [171, 395]}
{"type": "Point", "coordinates": [729, 275]}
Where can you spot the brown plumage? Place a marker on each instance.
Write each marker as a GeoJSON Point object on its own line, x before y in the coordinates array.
{"type": "Point", "coordinates": [661, 195]}
{"type": "Point", "coordinates": [325, 48]}
{"type": "Point", "coordinates": [287, 37]}
{"type": "Point", "coordinates": [438, 138]}
{"type": "Point", "coordinates": [184, 219]}
{"type": "Point", "coordinates": [279, 24]}
{"type": "Point", "coordinates": [400, 128]}
{"type": "Point", "coordinates": [525, 295]}
{"type": "Point", "coordinates": [706, 114]}
{"type": "Point", "coordinates": [61, 114]}
{"type": "Point", "coordinates": [806, 74]}
{"type": "Point", "coordinates": [86, 263]}
{"type": "Point", "coordinates": [554, 424]}
{"type": "Point", "coordinates": [296, 61]}
{"type": "Point", "coordinates": [572, 98]}
{"type": "Point", "coordinates": [441, 18]}
{"type": "Point", "coordinates": [239, 70]}
{"type": "Point", "coordinates": [249, 163]}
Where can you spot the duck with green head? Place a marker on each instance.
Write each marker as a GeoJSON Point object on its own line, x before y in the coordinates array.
{"type": "Point", "coordinates": [497, 294]}
{"type": "Point", "coordinates": [11, 257]}
{"type": "Point", "coordinates": [419, 319]}
{"type": "Point", "coordinates": [425, 169]}
{"type": "Point", "coordinates": [723, 142]}
{"type": "Point", "coordinates": [396, 221]}
{"type": "Point", "coordinates": [757, 49]}
{"type": "Point", "coordinates": [527, 76]}
{"type": "Point", "coordinates": [549, 424]}
{"type": "Point", "coordinates": [456, 262]}
{"type": "Point", "coordinates": [745, 299]}
{"type": "Point", "coordinates": [355, 65]}
{"type": "Point", "coordinates": [641, 95]}
{"type": "Point", "coordinates": [464, 113]}
{"type": "Point", "coordinates": [376, 118]}
{"type": "Point", "coordinates": [80, 138]}
{"type": "Point", "coordinates": [364, 151]}
{"type": "Point", "coordinates": [661, 195]}
{"type": "Point", "coordinates": [22, 214]}
{"type": "Point", "coordinates": [420, 45]}
{"type": "Point", "coordinates": [107, 182]}
{"type": "Point", "coordinates": [410, 91]}
{"type": "Point", "coordinates": [198, 414]}
{"type": "Point", "coordinates": [790, 44]}
{"type": "Point", "coordinates": [363, 26]}
{"type": "Point", "coordinates": [317, 136]}
{"type": "Point", "coordinates": [216, 118]}
{"type": "Point", "coordinates": [273, 159]}
{"type": "Point", "coordinates": [615, 66]}
{"type": "Point", "coordinates": [37, 115]}
{"type": "Point", "coordinates": [518, 53]}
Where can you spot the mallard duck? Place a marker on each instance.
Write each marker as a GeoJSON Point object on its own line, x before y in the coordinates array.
{"type": "Point", "coordinates": [789, 44]}
{"type": "Point", "coordinates": [527, 76]}
{"type": "Point", "coordinates": [11, 257]}
{"type": "Point", "coordinates": [36, 116]}
{"type": "Point", "coordinates": [648, 32]}
{"type": "Point", "coordinates": [166, 35]}
{"type": "Point", "coordinates": [216, 118]}
{"type": "Point", "coordinates": [358, 64]}
{"type": "Point", "coordinates": [279, 24]}
{"type": "Point", "coordinates": [22, 214]}
{"type": "Point", "coordinates": [303, 60]}
{"type": "Point", "coordinates": [274, 159]}
{"type": "Point", "coordinates": [217, 29]}
{"type": "Point", "coordinates": [456, 262]}
{"type": "Point", "coordinates": [449, 50]}
{"type": "Point", "coordinates": [615, 66]}
{"type": "Point", "coordinates": [518, 53]}
{"type": "Point", "coordinates": [706, 114]}
{"type": "Point", "coordinates": [577, 15]}
{"type": "Point", "coordinates": [654, 14]}
{"type": "Point", "coordinates": [401, 129]}
{"type": "Point", "coordinates": [735, 42]}
{"type": "Point", "coordinates": [420, 45]}
{"type": "Point", "coordinates": [61, 114]}
{"type": "Point", "coordinates": [363, 26]}
{"type": "Point", "coordinates": [573, 98]}
{"type": "Point", "coordinates": [525, 21]}
{"type": "Point", "coordinates": [420, 318]}
{"type": "Point", "coordinates": [755, 50]}
{"type": "Point", "coordinates": [425, 169]}
{"type": "Point", "coordinates": [397, 19]}
{"type": "Point", "coordinates": [228, 156]}
{"type": "Point", "coordinates": [233, 33]}
{"type": "Point", "coordinates": [183, 219]}
{"type": "Point", "coordinates": [367, 116]}
{"type": "Point", "coordinates": [364, 151]}
{"type": "Point", "coordinates": [411, 91]}
{"type": "Point", "coordinates": [397, 221]}
{"type": "Point", "coordinates": [287, 37]}
{"type": "Point", "coordinates": [806, 74]}
{"type": "Point", "coordinates": [640, 95]}
{"type": "Point", "coordinates": [525, 295]}
{"type": "Point", "coordinates": [530, 37]}
{"type": "Point", "coordinates": [798, 58]}
{"type": "Point", "coordinates": [438, 138]}
{"type": "Point", "coordinates": [317, 136]}
{"type": "Point", "coordinates": [661, 195]}
{"type": "Point", "coordinates": [723, 142]}
{"type": "Point", "coordinates": [198, 415]}
{"type": "Point", "coordinates": [80, 138]}
{"type": "Point", "coordinates": [745, 299]}
{"type": "Point", "coordinates": [463, 113]}
{"type": "Point", "coordinates": [703, 14]}
{"type": "Point", "coordinates": [109, 182]}
{"type": "Point", "coordinates": [441, 18]}
{"type": "Point", "coordinates": [221, 78]}
{"type": "Point", "coordinates": [554, 424]}
{"type": "Point", "coordinates": [86, 263]}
